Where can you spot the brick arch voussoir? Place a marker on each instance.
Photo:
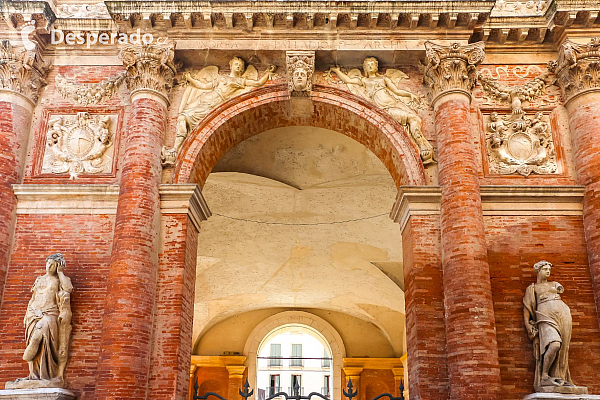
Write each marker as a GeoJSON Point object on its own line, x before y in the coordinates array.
{"type": "Point", "coordinates": [268, 108]}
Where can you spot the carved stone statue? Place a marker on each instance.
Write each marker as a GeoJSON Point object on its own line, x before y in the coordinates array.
{"type": "Point", "coordinates": [207, 90]}
{"type": "Point", "coordinates": [384, 92]}
{"type": "Point", "coordinates": [548, 323]}
{"type": "Point", "coordinates": [47, 328]}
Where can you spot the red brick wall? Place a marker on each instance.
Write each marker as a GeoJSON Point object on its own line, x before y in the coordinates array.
{"type": "Point", "coordinates": [173, 317]}
{"type": "Point", "coordinates": [514, 245]}
{"type": "Point", "coordinates": [85, 241]}
{"type": "Point", "coordinates": [425, 327]}
{"type": "Point", "coordinates": [374, 382]}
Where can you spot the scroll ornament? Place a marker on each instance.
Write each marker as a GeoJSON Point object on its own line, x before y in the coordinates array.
{"type": "Point", "coordinates": [78, 144]}
{"type": "Point", "coordinates": [90, 93]}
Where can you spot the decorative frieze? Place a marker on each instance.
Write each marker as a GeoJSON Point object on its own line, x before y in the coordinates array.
{"type": "Point", "coordinates": [515, 95]}
{"type": "Point", "coordinates": [22, 71]}
{"type": "Point", "coordinates": [520, 144]}
{"type": "Point", "coordinates": [90, 93]}
{"type": "Point", "coordinates": [452, 69]}
{"type": "Point", "coordinates": [577, 68]}
{"type": "Point", "coordinates": [383, 90]}
{"type": "Point", "coordinates": [300, 70]}
{"type": "Point", "coordinates": [81, 143]}
{"type": "Point", "coordinates": [150, 68]}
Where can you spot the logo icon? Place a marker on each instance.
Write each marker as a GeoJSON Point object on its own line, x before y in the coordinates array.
{"type": "Point", "coordinates": [26, 30]}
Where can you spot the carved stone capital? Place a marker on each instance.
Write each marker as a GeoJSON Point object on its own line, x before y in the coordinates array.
{"type": "Point", "coordinates": [150, 68]}
{"type": "Point", "coordinates": [22, 71]}
{"type": "Point", "coordinates": [452, 69]}
{"type": "Point", "coordinates": [577, 68]}
{"type": "Point", "coordinates": [300, 70]}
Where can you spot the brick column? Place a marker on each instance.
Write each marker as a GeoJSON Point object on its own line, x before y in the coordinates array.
{"type": "Point", "coordinates": [127, 326]}
{"type": "Point", "coordinates": [578, 71]}
{"type": "Point", "coordinates": [417, 209]}
{"type": "Point", "coordinates": [17, 100]}
{"type": "Point", "coordinates": [182, 208]}
{"type": "Point", "coordinates": [470, 326]}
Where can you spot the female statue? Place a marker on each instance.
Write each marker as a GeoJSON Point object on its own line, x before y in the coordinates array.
{"type": "Point", "coordinates": [548, 323]}
{"type": "Point", "coordinates": [384, 92]}
{"type": "Point", "coordinates": [47, 328]}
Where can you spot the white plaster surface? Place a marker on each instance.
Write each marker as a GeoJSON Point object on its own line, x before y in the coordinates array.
{"type": "Point", "coordinates": [331, 269]}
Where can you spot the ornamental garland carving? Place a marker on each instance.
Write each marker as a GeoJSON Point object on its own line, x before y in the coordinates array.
{"type": "Point", "coordinates": [577, 68]}
{"type": "Point", "coordinates": [517, 143]}
{"type": "Point", "coordinates": [383, 91]}
{"type": "Point", "coordinates": [150, 68]}
{"type": "Point", "coordinates": [452, 68]}
{"type": "Point", "coordinates": [23, 72]}
{"type": "Point", "coordinates": [78, 144]}
{"type": "Point", "coordinates": [515, 95]}
{"type": "Point", "coordinates": [91, 93]}
{"type": "Point", "coordinates": [206, 90]}
{"type": "Point", "coordinates": [300, 70]}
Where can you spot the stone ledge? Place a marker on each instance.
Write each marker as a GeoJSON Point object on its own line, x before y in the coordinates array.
{"type": "Point", "coordinates": [37, 394]}
{"type": "Point", "coordinates": [558, 396]}
{"type": "Point", "coordinates": [495, 200]}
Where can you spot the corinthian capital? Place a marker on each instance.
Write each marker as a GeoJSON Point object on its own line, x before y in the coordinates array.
{"type": "Point", "coordinates": [22, 71]}
{"type": "Point", "coordinates": [452, 69]}
{"type": "Point", "coordinates": [577, 68]}
{"type": "Point", "coordinates": [150, 68]}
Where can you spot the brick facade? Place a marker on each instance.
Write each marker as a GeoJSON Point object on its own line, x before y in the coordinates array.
{"type": "Point", "coordinates": [466, 266]}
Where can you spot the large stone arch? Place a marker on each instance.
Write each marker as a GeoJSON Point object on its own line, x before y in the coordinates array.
{"type": "Point", "coordinates": [324, 328]}
{"type": "Point", "coordinates": [268, 108]}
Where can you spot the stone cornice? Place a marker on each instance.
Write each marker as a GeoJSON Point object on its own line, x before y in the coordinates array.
{"type": "Point", "coordinates": [22, 71]}
{"type": "Point", "coordinates": [578, 68]}
{"type": "Point", "coordinates": [184, 199]}
{"type": "Point", "coordinates": [150, 68]}
{"type": "Point", "coordinates": [217, 361]}
{"type": "Point", "coordinates": [495, 200]}
{"type": "Point", "coordinates": [372, 363]}
{"type": "Point", "coordinates": [452, 69]}
{"type": "Point", "coordinates": [102, 199]}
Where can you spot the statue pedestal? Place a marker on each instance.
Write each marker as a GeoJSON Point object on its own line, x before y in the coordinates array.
{"type": "Point", "coordinates": [558, 396]}
{"type": "Point", "coordinates": [37, 394]}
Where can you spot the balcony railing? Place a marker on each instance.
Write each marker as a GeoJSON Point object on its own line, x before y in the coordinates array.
{"type": "Point", "coordinates": [300, 391]}
{"type": "Point", "coordinates": [296, 362]}
{"type": "Point", "coordinates": [325, 362]}
{"type": "Point", "coordinates": [275, 362]}
{"type": "Point", "coordinates": [325, 391]}
{"type": "Point", "coordinates": [271, 390]}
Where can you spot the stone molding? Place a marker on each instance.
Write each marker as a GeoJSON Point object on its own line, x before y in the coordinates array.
{"type": "Point", "coordinates": [218, 361]}
{"type": "Point", "coordinates": [184, 199]}
{"type": "Point", "coordinates": [102, 199]}
{"type": "Point", "coordinates": [37, 394]}
{"type": "Point", "coordinates": [452, 69]}
{"type": "Point", "coordinates": [22, 71]}
{"type": "Point", "coordinates": [66, 199]}
{"type": "Point", "coordinates": [150, 69]}
{"type": "Point", "coordinates": [577, 68]}
{"type": "Point", "coordinates": [373, 363]}
{"type": "Point", "coordinates": [496, 200]}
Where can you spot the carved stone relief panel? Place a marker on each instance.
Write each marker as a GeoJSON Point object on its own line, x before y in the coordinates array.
{"type": "Point", "coordinates": [520, 144]}
{"type": "Point", "coordinates": [81, 143]}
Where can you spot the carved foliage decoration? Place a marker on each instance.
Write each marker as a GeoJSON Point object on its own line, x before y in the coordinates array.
{"type": "Point", "coordinates": [23, 72]}
{"type": "Point", "coordinates": [577, 68]}
{"type": "Point", "coordinates": [300, 70]}
{"type": "Point", "coordinates": [149, 67]}
{"type": "Point", "coordinates": [520, 144]}
{"type": "Point", "coordinates": [81, 143]}
{"type": "Point", "coordinates": [92, 93]}
{"type": "Point", "coordinates": [452, 68]}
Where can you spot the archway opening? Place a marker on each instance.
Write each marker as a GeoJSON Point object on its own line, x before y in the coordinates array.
{"type": "Point", "coordinates": [294, 358]}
